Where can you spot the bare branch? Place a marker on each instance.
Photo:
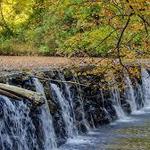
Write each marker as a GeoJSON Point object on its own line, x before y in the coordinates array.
{"type": "Point", "coordinates": [60, 81]}
{"type": "Point", "coordinates": [119, 42]}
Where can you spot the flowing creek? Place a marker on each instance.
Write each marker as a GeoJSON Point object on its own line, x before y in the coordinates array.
{"type": "Point", "coordinates": [75, 120]}
{"type": "Point", "coordinates": [132, 134]}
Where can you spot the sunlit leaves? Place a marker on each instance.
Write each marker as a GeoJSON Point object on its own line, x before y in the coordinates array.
{"type": "Point", "coordinates": [70, 26]}
{"type": "Point", "coordinates": [16, 12]}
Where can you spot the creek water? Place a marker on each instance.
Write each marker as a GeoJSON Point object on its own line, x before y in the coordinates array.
{"type": "Point", "coordinates": [108, 136]}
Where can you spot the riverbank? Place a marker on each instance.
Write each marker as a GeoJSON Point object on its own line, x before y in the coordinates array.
{"type": "Point", "coordinates": [10, 63]}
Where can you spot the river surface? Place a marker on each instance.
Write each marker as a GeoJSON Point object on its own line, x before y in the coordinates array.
{"type": "Point", "coordinates": [132, 133]}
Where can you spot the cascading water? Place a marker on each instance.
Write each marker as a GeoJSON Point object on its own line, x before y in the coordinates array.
{"type": "Point", "coordinates": [105, 111]}
{"type": "Point", "coordinates": [80, 100]}
{"type": "Point", "coordinates": [70, 100]}
{"type": "Point", "coordinates": [73, 99]}
{"type": "Point", "coordinates": [130, 97]}
{"type": "Point", "coordinates": [17, 131]}
{"type": "Point", "coordinates": [117, 104]}
{"type": "Point", "coordinates": [146, 87]}
{"type": "Point", "coordinates": [65, 109]}
{"type": "Point", "coordinates": [22, 127]}
{"type": "Point", "coordinates": [139, 96]}
{"type": "Point", "coordinates": [46, 119]}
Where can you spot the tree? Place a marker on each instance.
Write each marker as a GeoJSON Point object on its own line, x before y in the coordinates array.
{"type": "Point", "coordinates": [100, 27]}
{"type": "Point", "coordinates": [13, 13]}
{"type": "Point", "coordinates": [111, 28]}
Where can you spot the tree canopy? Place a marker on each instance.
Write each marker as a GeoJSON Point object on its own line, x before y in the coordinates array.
{"type": "Point", "coordinates": [105, 28]}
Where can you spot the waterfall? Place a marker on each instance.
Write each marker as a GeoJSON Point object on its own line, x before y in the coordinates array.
{"type": "Point", "coordinates": [146, 87]}
{"type": "Point", "coordinates": [130, 94]}
{"type": "Point", "coordinates": [139, 96]}
{"type": "Point", "coordinates": [65, 109]}
{"type": "Point", "coordinates": [108, 115]}
{"type": "Point", "coordinates": [70, 100]}
{"type": "Point", "coordinates": [117, 103]}
{"type": "Point", "coordinates": [80, 100]}
{"type": "Point", "coordinates": [17, 131]}
{"type": "Point", "coordinates": [46, 119]}
{"type": "Point", "coordinates": [24, 127]}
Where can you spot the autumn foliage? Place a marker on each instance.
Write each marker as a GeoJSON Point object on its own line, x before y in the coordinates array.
{"type": "Point", "coordinates": [104, 28]}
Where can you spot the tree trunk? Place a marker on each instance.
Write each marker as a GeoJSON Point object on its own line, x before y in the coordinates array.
{"type": "Point", "coordinates": [35, 98]}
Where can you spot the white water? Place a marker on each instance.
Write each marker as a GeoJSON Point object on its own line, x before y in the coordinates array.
{"type": "Point", "coordinates": [48, 129]}
{"type": "Point", "coordinates": [80, 100]}
{"type": "Point", "coordinates": [130, 97]}
{"type": "Point", "coordinates": [146, 87]}
{"type": "Point", "coordinates": [117, 104]}
{"type": "Point", "coordinates": [16, 129]}
{"type": "Point", "coordinates": [106, 112]}
{"type": "Point", "coordinates": [140, 94]}
{"type": "Point", "coordinates": [86, 124]}
{"type": "Point", "coordinates": [66, 111]}
{"type": "Point", "coordinates": [70, 100]}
